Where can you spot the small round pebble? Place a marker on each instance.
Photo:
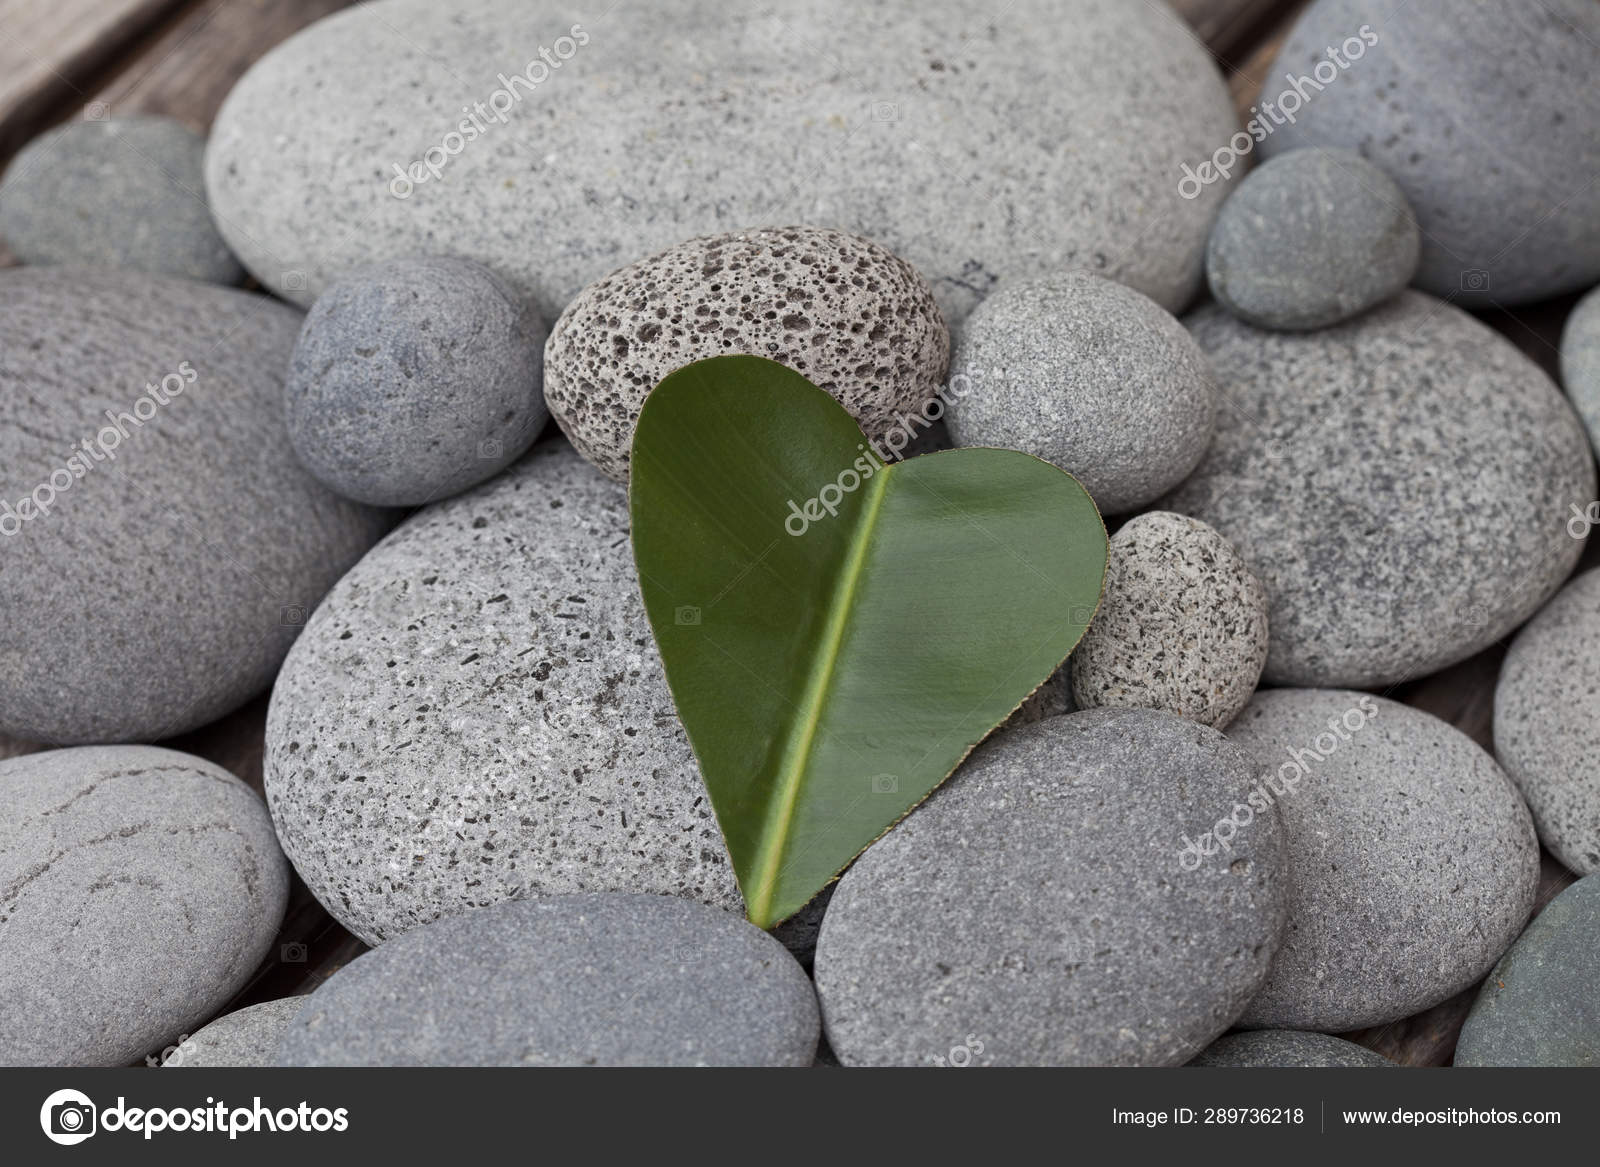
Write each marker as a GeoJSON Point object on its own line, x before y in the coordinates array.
{"type": "Point", "coordinates": [120, 192]}
{"type": "Point", "coordinates": [1541, 1004]}
{"type": "Point", "coordinates": [1182, 625]}
{"type": "Point", "coordinates": [1546, 733]}
{"type": "Point", "coordinates": [852, 316]}
{"type": "Point", "coordinates": [1089, 375]}
{"type": "Point", "coordinates": [1036, 909]}
{"type": "Point", "coordinates": [1286, 1049]}
{"type": "Point", "coordinates": [139, 889]}
{"type": "Point", "coordinates": [1412, 862]}
{"type": "Point", "coordinates": [576, 980]}
{"type": "Point", "coordinates": [247, 1037]}
{"type": "Point", "coordinates": [1580, 361]}
{"type": "Point", "coordinates": [415, 379]}
{"type": "Point", "coordinates": [1311, 238]}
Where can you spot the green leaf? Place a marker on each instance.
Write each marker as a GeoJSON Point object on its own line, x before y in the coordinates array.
{"type": "Point", "coordinates": [831, 671]}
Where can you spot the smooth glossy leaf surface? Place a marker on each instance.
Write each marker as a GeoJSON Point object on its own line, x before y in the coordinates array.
{"type": "Point", "coordinates": [839, 633]}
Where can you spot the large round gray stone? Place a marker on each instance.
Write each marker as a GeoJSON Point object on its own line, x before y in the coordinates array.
{"type": "Point", "coordinates": [1546, 733]}
{"type": "Point", "coordinates": [1483, 113]}
{"type": "Point", "coordinates": [1580, 362]}
{"type": "Point", "coordinates": [181, 544]}
{"type": "Point", "coordinates": [1412, 862]}
{"type": "Point", "coordinates": [139, 889]}
{"type": "Point", "coordinates": [125, 192]}
{"type": "Point", "coordinates": [246, 1037]}
{"type": "Point", "coordinates": [978, 146]}
{"type": "Point", "coordinates": [1037, 910]}
{"type": "Point", "coordinates": [1287, 1048]}
{"type": "Point", "coordinates": [1541, 1004]}
{"type": "Point", "coordinates": [574, 980]}
{"type": "Point", "coordinates": [1400, 483]}
{"type": "Point", "coordinates": [477, 712]}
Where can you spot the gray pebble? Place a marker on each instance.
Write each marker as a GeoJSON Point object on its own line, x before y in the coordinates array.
{"type": "Point", "coordinates": [1035, 910]}
{"type": "Point", "coordinates": [246, 1037]}
{"type": "Point", "coordinates": [1089, 375]}
{"type": "Point", "coordinates": [1311, 238]}
{"type": "Point", "coordinates": [413, 380]}
{"type": "Point", "coordinates": [1411, 860]}
{"type": "Point", "coordinates": [1580, 362]}
{"type": "Point", "coordinates": [1287, 1048]}
{"type": "Point", "coordinates": [139, 889]}
{"type": "Point", "coordinates": [1399, 483]}
{"type": "Point", "coordinates": [573, 980]}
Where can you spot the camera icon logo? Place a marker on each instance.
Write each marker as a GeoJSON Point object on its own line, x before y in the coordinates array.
{"type": "Point", "coordinates": [293, 952]}
{"type": "Point", "coordinates": [67, 1117]}
{"type": "Point", "coordinates": [885, 784]}
{"type": "Point", "coordinates": [687, 616]}
{"type": "Point", "coordinates": [1474, 279]}
{"type": "Point", "coordinates": [490, 448]}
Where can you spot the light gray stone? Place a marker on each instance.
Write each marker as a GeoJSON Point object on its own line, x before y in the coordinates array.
{"type": "Point", "coordinates": [123, 192]}
{"type": "Point", "coordinates": [855, 319]}
{"type": "Point", "coordinates": [1089, 375]}
{"type": "Point", "coordinates": [1036, 909]}
{"type": "Point", "coordinates": [575, 980]}
{"type": "Point", "coordinates": [1312, 238]}
{"type": "Point", "coordinates": [1182, 625]}
{"type": "Point", "coordinates": [246, 1037]}
{"type": "Point", "coordinates": [1412, 861]}
{"type": "Point", "coordinates": [139, 889]}
{"type": "Point", "coordinates": [1400, 484]}
{"type": "Point", "coordinates": [181, 544]}
{"type": "Point", "coordinates": [1287, 1048]}
{"type": "Point", "coordinates": [1580, 362]}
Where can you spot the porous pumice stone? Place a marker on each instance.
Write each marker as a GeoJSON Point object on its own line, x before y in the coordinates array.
{"type": "Point", "coordinates": [139, 889]}
{"type": "Point", "coordinates": [120, 192]}
{"type": "Point", "coordinates": [478, 712]}
{"type": "Point", "coordinates": [1546, 733]}
{"type": "Point", "coordinates": [414, 379]}
{"type": "Point", "coordinates": [854, 318]}
{"type": "Point", "coordinates": [246, 1037]}
{"type": "Point", "coordinates": [1541, 1004]}
{"type": "Point", "coordinates": [1182, 625]}
{"type": "Point", "coordinates": [1580, 362]}
{"type": "Point", "coordinates": [1399, 483]}
{"type": "Point", "coordinates": [572, 980]}
{"type": "Point", "coordinates": [1287, 1048]}
{"type": "Point", "coordinates": [1412, 862]}
{"type": "Point", "coordinates": [1089, 375]}
{"type": "Point", "coordinates": [1311, 238]}
{"type": "Point", "coordinates": [1037, 910]}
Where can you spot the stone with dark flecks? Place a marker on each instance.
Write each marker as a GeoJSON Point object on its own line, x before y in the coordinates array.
{"type": "Point", "coordinates": [1287, 1048]}
{"type": "Point", "coordinates": [246, 1037]}
{"type": "Point", "coordinates": [1580, 361]}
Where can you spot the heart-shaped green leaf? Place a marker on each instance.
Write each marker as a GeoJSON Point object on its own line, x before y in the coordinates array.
{"type": "Point", "coordinates": [839, 633]}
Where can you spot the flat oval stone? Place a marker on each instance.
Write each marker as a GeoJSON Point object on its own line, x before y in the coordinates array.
{"type": "Point", "coordinates": [571, 980]}
{"type": "Point", "coordinates": [246, 1037]}
{"type": "Point", "coordinates": [1036, 910]}
{"type": "Point", "coordinates": [1545, 733]}
{"type": "Point", "coordinates": [477, 712]}
{"type": "Point", "coordinates": [1580, 362]}
{"type": "Point", "coordinates": [139, 890]}
{"type": "Point", "coordinates": [1412, 862]}
{"type": "Point", "coordinates": [1400, 484]}
{"type": "Point", "coordinates": [162, 544]}
{"type": "Point", "coordinates": [1287, 1048]}
{"type": "Point", "coordinates": [978, 149]}
{"type": "Point", "coordinates": [1541, 1004]}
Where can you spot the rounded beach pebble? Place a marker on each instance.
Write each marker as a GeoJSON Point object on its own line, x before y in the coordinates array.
{"type": "Point", "coordinates": [1036, 909]}
{"type": "Point", "coordinates": [572, 980]}
{"type": "Point", "coordinates": [139, 889]}
{"type": "Point", "coordinates": [1089, 375]}
{"type": "Point", "coordinates": [1412, 860]}
{"type": "Point", "coordinates": [1182, 625]}
{"type": "Point", "coordinates": [246, 1037]}
{"type": "Point", "coordinates": [854, 318]}
{"type": "Point", "coordinates": [1580, 362]}
{"type": "Point", "coordinates": [1287, 1048]}
{"type": "Point", "coordinates": [1311, 238]}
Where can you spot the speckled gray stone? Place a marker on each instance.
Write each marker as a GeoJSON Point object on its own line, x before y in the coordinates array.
{"type": "Point", "coordinates": [1182, 625]}
{"type": "Point", "coordinates": [139, 889]}
{"type": "Point", "coordinates": [1545, 730]}
{"type": "Point", "coordinates": [477, 712]}
{"type": "Point", "coordinates": [1287, 1048]}
{"type": "Point", "coordinates": [121, 192]}
{"type": "Point", "coordinates": [173, 566]}
{"type": "Point", "coordinates": [857, 320]}
{"type": "Point", "coordinates": [977, 149]}
{"type": "Point", "coordinates": [1311, 238]}
{"type": "Point", "coordinates": [1412, 860]}
{"type": "Point", "coordinates": [1399, 483]}
{"type": "Point", "coordinates": [1089, 375]}
{"type": "Point", "coordinates": [1541, 1004]}
{"type": "Point", "coordinates": [574, 980]}
{"type": "Point", "coordinates": [1483, 113]}
{"type": "Point", "coordinates": [1580, 362]}
{"type": "Point", "coordinates": [247, 1037]}
{"type": "Point", "coordinates": [414, 379]}
{"type": "Point", "coordinates": [1037, 905]}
